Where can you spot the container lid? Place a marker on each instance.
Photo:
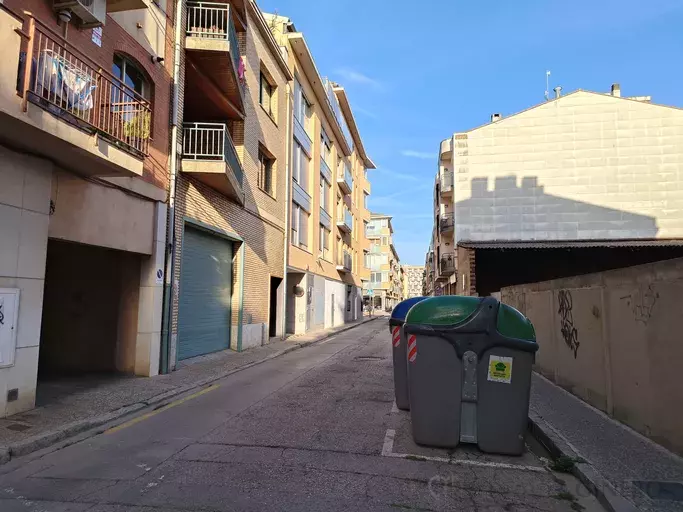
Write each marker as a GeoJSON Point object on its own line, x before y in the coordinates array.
{"type": "Point", "coordinates": [513, 324]}
{"type": "Point", "coordinates": [401, 309]}
{"type": "Point", "coordinates": [447, 310]}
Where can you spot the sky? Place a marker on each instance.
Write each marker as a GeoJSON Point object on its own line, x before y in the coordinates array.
{"type": "Point", "coordinates": [416, 72]}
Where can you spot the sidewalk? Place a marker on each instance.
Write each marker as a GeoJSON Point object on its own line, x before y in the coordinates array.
{"type": "Point", "coordinates": [83, 404]}
{"type": "Point", "coordinates": [625, 470]}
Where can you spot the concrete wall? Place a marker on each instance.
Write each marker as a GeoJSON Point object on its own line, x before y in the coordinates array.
{"type": "Point", "coordinates": [24, 217]}
{"type": "Point", "coordinates": [586, 166]}
{"type": "Point", "coordinates": [613, 339]}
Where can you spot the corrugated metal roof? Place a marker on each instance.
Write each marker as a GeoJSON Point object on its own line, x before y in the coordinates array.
{"type": "Point", "coordinates": [569, 244]}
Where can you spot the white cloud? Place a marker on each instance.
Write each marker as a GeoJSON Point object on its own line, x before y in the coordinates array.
{"type": "Point", "coordinates": [351, 75]}
{"type": "Point", "coordinates": [366, 113]}
{"type": "Point", "coordinates": [418, 154]}
{"type": "Point", "coordinates": [397, 175]}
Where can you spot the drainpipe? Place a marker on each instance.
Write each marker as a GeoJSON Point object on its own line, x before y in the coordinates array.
{"type": "Point", "coordinates": [169, 269]}
{"type": "Point", "coordinates": [288, 206]}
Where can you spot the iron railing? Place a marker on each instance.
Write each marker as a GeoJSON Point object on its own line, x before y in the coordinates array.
{"type": "Point", "coordinates": [57, 76]}
{"type": "Point", "coordinates": [346, 261]}
{"type": "Point", "coordinates": [211, 141]}
{"type": "Point", "coordinates": [345, 176]}
{"type": "Point", "coordinates": [447, 264]}
{"type": "Point", "coordinates": [447, 221]}
{"type": "Point", "coordinates": [347, 218]}
{"type": "Point", "coordinates": [213, 20]}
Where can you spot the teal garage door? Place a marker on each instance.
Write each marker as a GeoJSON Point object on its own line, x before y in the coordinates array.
{"type": "Point", "coordinates": [205, 291]}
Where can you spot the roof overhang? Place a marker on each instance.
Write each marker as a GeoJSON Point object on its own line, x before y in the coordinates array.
{"type": "Point", "coordinates": [351, 121]}
{"type": "Point", "coordinates": [270, 39]}
{"type": "Point", "coordinates": [305, 58]}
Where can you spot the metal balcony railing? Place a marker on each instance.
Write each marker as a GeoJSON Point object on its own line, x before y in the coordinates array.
{"type": "Point", "coordinates": [213, 20]}
{"type": "Point", "coordinates": [345, 261]}
{"type": "Point", "coordinates": [345, 178]}
{"type": "Point", "coordinates": [211, 141]}
{"type": "Point", "coordinates": [55, 75]}
{"type": "Point", "coordinates": [447, 264]}
{"type": "Point", "coordinates": [447, 222]}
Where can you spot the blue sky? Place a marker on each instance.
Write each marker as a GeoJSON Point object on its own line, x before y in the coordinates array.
{"type": "Point", "coordinates": [416, 72]}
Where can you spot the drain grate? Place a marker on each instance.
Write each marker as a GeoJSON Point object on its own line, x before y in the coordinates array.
{"type": "Point", "coordinates": [668, 491]}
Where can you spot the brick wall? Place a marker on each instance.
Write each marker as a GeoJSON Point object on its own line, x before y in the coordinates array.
{"type": "Point", "coordinates": [586, 166]}
{"type": "Point", "coordinates": [116, 40]}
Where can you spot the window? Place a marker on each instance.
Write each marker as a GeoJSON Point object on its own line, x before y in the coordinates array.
{"type": "Point", "coordinates": [265, 177]}
{"type": "Point", "coordinates": [300, 166]}
{"type": "Point", "coordinates": [366, 259]}
{"type": "Point", "coordinates": [385, 277]}
{"type": "Point", "coordinates": [129, 73]}
{"type": "Point", "coordinates": [302, 107]}
{"type": "Point", "coordinates": [325, 146]}
{"type": "Point", "coordinates": [365, 200]}
{"type": "Point", "coordinates": [365, 227]}
{"type": "Point", "coordinates": [266, 95]}
{"type": "Point", "coordinates": [325, 189]}
{"type": "Point", "coordinates": [324, 247]}
{"type": "Point", "coordinates": [376, 277]}
{"type": "Point", "coordinates": [299, 226]}
{"type": "Point", "coordinates": [385, 240]}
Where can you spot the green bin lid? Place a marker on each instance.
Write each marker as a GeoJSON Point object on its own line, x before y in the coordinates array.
{"type": "Point", "coordinates": [513, 324]}
{"type": "Point", "coordinates": [444, 310]}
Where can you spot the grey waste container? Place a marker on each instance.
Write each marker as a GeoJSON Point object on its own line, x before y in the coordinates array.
{"type": "Point", "coordinates": [469, 367]}
{"type": "Point", "coordinates": [398, 343]}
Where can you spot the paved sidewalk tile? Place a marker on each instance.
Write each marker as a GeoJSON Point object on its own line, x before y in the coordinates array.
{"type": "Point", "coordinates": [69, 406]}
{"type": "Point", "coordinates": [612, 450]}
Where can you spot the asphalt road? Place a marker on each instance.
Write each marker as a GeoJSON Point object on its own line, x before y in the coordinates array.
{"type": "Point", "coordinates": [313, 430]}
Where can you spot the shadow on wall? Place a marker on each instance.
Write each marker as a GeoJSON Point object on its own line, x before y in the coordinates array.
{"type": "Point", "coordinates": [527, 212]}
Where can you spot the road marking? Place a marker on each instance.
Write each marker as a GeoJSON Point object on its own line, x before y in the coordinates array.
{"type": "Point", "coordinates": [388, 443]}
{"type": "Point", "coordinates": [137, 420]}
{"type": "Point", "coordinates": [394, 407]}
{"type": "Point", "coordinates": [387, 451]}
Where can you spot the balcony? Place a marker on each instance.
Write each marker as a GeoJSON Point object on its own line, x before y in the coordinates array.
{"type": "Point", "coordinates": [447, 223]}
{"type": "Point", "coordinates": [446, 149]}
{"type": "Point", "coordinates": [446, 265]}
{"type": "Point", "coordinates": [345, 178]}
{"type": "Point", "coordinates": [325, 170]}
{"type": "Point", "coordinates": [344, 264]}
{"type": "Point", "coordinates": [325, 218]}
{"type": "Point", "coordinates": [345, 223]}
{"type": "Point", "coordinates": [214, 53]}
{"type": "Point", "coordinates": [59, 104]}
{"type": "Point", "coordinates": [209, 155]}
{"type": "Point", "coordinates": [446, 181]}
{"type": "Point", "coordinates": [302, 136]}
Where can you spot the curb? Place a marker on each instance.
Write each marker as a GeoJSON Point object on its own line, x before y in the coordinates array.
{"type": "Point", "coordinates": [557, 446]}
{"type": "Point", "coordinates": [45, 440]}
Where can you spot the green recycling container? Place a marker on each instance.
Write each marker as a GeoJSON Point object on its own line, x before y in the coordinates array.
{"type": "Point", "coordinates": [469, 373]}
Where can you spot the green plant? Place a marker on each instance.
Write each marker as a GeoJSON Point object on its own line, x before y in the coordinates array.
{"type": "Point", "coordinates": [564, 464]}
{"type": "Point", "coordinates": [139, 126]}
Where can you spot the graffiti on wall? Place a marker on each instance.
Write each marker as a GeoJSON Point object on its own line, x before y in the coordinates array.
{"type": "Point", "coordinates": [567, 329]}
{"type": "Point", "coordinates": [2, 314]}
{"type": "Point", "coordinates": [642, 303]}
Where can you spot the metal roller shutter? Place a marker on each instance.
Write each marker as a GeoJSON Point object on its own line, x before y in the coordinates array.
{"type": "Point", "coordinates": [205, 292]}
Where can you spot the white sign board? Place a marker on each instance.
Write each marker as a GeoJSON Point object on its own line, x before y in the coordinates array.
{"type": "Point", "coordinates": [9, 313]}
{"type": "Point", "coordinates": [97, 36]}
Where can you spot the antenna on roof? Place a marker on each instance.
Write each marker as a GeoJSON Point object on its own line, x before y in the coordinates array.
{"type": "Point", "coordinates": [547, 86]}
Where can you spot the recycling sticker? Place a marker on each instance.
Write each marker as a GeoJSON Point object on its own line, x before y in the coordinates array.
{"type": "Point", "coordinates": [500, 369]}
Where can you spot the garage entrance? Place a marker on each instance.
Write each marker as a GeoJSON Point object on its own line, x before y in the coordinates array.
{"type": "Point", "coordinates": [204, 315]}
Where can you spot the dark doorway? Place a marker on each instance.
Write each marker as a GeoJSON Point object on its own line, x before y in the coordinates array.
{"type": "Point", "coordinates": [272, 319]}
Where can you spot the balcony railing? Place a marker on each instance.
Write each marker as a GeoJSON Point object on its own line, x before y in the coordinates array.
{"type": "Point", "coordinates": [345, 223]}
{"type": "Point", "coordinates": [211, 141]}
{"type": "Point", "coordinates": [212, 20]}
{"type": "Point", "coordinates": [345, 178]}
{"type": "Point", "coordinates": [447, 182]}
{"type": "Point", "coordinates": [447, 264]}
{"type": "Point", "coordinates": [447, 222]}
{"type": "Point", "coordinates": [58, 77]}
{"type": "Point", "coordinates": [345, 262]}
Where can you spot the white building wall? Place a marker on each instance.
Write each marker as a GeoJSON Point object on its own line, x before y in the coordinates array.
{"type": "Point", "coordinates": [335, 299]}
{"type": "Point", "coordinates": [586, 166]}
{"type": "Point", "coordinates": [25, 185]}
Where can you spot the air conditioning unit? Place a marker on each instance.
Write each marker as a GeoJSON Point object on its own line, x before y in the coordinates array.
{"type": "Point", "coordinates": [91, 13]}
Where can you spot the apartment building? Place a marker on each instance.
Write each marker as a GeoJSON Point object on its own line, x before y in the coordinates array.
{"type": "Point", "coordinates": [230, 192]}
{"type": "Point", "coordinates": [413, 280]}
{"type": "Point", "coordinates": [328, 194]}
{"type": "Point", "coordinates": [582, 183]}
{"type": "Point", "coordinates": [84, 148]}
{"type": "Point", "coordinates": [384, 287]}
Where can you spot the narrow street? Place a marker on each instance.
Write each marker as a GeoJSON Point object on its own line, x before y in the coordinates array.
{"type": "Point", "coordinates": [315, 429]}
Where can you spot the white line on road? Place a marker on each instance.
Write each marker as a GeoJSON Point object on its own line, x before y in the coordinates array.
{"type": "Point", "coordinates": [387, 451]}
{"type": "Point", "coordinates": [394, 408]}
{"type": "Point", "coordinates": [388, 443]}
